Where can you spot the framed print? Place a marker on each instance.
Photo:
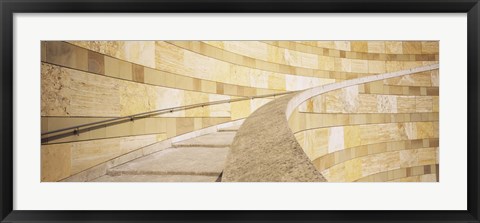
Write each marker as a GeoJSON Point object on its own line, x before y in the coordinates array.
{"type": "Point", "coordinates": [239, 111]}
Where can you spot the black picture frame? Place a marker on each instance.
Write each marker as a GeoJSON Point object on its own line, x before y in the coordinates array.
{"type": "Point", "coordinates": [9, 7]}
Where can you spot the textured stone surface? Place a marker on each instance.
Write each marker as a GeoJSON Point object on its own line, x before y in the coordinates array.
{"type": "Point", "coordinates": [156, 178]}
{"type": "Point", "coordinates": [140, 52]}
{"type": "Point", "coordinates": [268, 152]}
{"type": "Point", "coordinates": [176, 161]}
{"type": "Point", "coordinates": [218, 139]}
{"type": "Point", "coordinates": [377, 142]}
{"type": "Point", "coordinates": [265, 149]}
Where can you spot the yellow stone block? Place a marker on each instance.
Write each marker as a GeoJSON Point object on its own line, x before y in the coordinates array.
{"type": "Point", "coordinates": [208, 86]}
{"type": "Point", "coordinates": [353, 170]}
{"type": "Point", "coordinates": [424, 103]}
{"type": "Point", "coordinates": [412, 47]}
{"type": "Point", "coordinates": [326, 63]}
{"type": "Point", "coordinates": [125, 69]}
{"type": "Point", "coordinates": [276, 82]}
{"type": "Point", "coordinates": [316, 142]}
{"type": "Point", "coordinates": [425, 130]}
{"type": "Point", "coordinates": [359, 46]}
{"type": "Point", "coordinates": [352, 136]}
{"type": "Point", "coordinates": [55, 162]}
{"type": "Point", "coordinates": [375, 87]}
{"type": "Point", "coordinates": [427, 156]}
{"type": "Point", "coordinates": [154, 77]}
{"type": "Point", "coordinates": [343, 65]}
{"type": "Point", "coordinates": [436, 104]}
{"type": "Point", "coordinates": [376, 66]}
{"type": "Point", "coordinates": [406, 104]}
{"type": "Point", "coordinates": [393, 47]}
{"type": "Point", "coordinates": [376, 46]}
{"type": "Point", "coordinates": [240, 109]}
{"type": "Point", "coordinates": [430, 47]}
{"type": "Point", "coordinates": [392, 66]}
{"type": "Point", "coordinates": [337, 173]}
{"type": "Point", "coordinates": [112, 67]}
{"type": "Point", "coordinates": [359, 66]}
{"type": "Point", "coordinates": [342, 45]}
{"type": "Point", "coordinates": [183, 82]}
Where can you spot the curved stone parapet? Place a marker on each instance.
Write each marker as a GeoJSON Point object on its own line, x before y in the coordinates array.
{"type": "Point", "coordinates": [266, 150]}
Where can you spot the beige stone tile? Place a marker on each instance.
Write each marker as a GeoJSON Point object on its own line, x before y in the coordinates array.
{"type": "Point", "coordinates": [359, 66]}
{"type": "Point", "coordinates": [418, 79]}
{"type": "Point", "coordinates": [435, 103]}
{"type": "Point", "coordinates": [171, 127]}
{"type": "Point", "coordinates": [424, 104]}
{"type": "Point", "coordinates": [393, 47]}
{"type": "Point", "coordinates": [184, 125]}
{"type": "Point", "coordinates": [427, 156]}
{"type": "Point", "coordinates": [96, 63]}
{"type": "Point", "coordinates": [155, 77]}
{"type": "Point", "coordinates": [139, 126]}
{"type": "Point", "coordinates": [376, 67]}
{"type": "Point", "coordinates": [359, 46]}
{"type": "Point", "coordinates": [435, 78]}
{"type": "Point", "coordinates": [183, 82]}
{"type": "Point", "coordinates": [112, 66]}
{"type": "Point", "coordinates": [406, 104]}
{"type": "Point", "coordinates": [192, 97]}
{"type": "Point", "coordinates": [335, 139]}
{"type": "Point", "coordinates": [230, 89]}
{"type": "Point", "coordinates": [316, 142]}
{"type": "Point", "coordinates": [65, 54]}
{"type": "Point", "coordinates": [90, 153]}
{"type": "Point", "coordinates": [55, 162]}
{"type": "Point", "coordinates": [428, 178]}
{"type": "Point", "coordinates": [208, 86]}
{"type": "Point", "coordinates": [353, 170]}
{"type": "Point", "coordinates": [240, 109]}
{"type": "Point", "coordinates": [343, 65]}
{"type": "Point", "coordinates": [412, 47]}
{"type": "Point", "coordinates": [336, 173]}
{"type": "Point", "coordinates": [386, 104]}
{"type": "Point", "coordinates": [375, 87]}
{"type": "Point", "coordinates": [376, 46]}
{"type": "Point", "coordinates": [430, 47]}
{"type": "Point", "coordinates": [122, 129]}
{"type": "Point", "coordinates": [125, 69]}
{"type": "Point", "coordinates": [169, 79]}
{"type": "Point", "coordinates": [425, 130]}
{"type": "Point", "coordinates": [326, 63]}
{"type": "Point", "coordinates": [63, 89]}
{"type": "Point", "coordinates": [392, 66]}
{"type": "Point", "coordinates": [138, 73]}
{"type": "Point", "coordinates": [137, 98]}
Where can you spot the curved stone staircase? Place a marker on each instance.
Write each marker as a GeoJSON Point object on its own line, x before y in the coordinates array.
{"type": "Point", "coordinates": [264, 149]}
{"type": "Point", "coordinates": [199, 159]}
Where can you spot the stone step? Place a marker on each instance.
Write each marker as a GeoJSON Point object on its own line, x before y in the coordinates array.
{"type": "Point", "coordinates": [206, 161]}
{"type": "Point", "coordinates": [230, 129]}
{"type": "Point", "coordinates": [156, 178]}
{"type": "Point", "coordinates": [217, 139]}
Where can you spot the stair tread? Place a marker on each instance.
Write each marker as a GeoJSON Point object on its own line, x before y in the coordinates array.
{"type": "Point", "coordinates": [230, 129]}
{"type": "Point", "coordinates": [177, 161]}
{"type": "Point", "coordinates": [217, 139]}
{"type": "Point", "coordinates": [156, 178]}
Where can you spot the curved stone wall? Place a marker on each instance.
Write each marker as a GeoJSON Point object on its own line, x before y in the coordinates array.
{"type": "Point", "coordinates": [265, 149]}
{"type": "Point", "coordinates": [381, 131]}
{"type": "Point", "coordinates": [86, 81]}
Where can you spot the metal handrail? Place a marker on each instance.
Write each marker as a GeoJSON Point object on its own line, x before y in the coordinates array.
{"type": "Point", "coordinates": [76, 129]}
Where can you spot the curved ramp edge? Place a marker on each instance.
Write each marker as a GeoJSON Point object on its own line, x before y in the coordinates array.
{"type": "Point", "coordinates": [265, 149]}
